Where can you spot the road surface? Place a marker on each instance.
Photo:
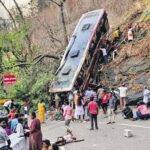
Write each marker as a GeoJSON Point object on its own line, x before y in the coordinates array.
{"type": "Point", "coordinates": [108, 137]}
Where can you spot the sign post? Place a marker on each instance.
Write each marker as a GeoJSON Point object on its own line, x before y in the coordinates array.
{"type": "Point", "coordinates": [9, 79]}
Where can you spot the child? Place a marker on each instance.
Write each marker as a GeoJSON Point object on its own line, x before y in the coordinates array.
{"type": "Point", "coordinates": [68, 138]}
{"type": "Point", "coordinates": [55, 147]}
{"type": "Point", "coordinates": [46, 145]}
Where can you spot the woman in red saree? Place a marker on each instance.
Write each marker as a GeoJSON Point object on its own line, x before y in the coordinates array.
{"type": "Point", "coordinates": [35, 138]}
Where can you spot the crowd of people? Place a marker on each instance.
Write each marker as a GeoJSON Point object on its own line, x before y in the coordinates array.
{"type": "Point", "coordinates": [119, 37]}
{"type": "Point", "coordinates": [18, 125]}
{"type": "Point", "coordinates": [85, 106]}
{"type": "Point", "coordinates": [80, 106]}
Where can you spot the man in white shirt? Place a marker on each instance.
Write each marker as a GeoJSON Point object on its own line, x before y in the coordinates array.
{"type": "Point", "coordinates": [123, 96]}
{"type": "Point", "coordinates": [104, 52]}
{"type": "Point", "coordinates": [7, 105]}
{"type": "Point", "coordinates": [146, 93]}
{"type": "Point", "coordinates": [19, 128]}
{"type": "Point", "coordinates": [3, 136]}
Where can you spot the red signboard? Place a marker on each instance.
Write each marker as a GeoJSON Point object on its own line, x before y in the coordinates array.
{"type": "Point", "coordinates": [9, 79]}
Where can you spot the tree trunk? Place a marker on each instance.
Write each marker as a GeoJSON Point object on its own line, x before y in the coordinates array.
{"type": "Point", "coordinates": [28, 40]}
{"type": "Point", "coordinates": [19, 10]}
{"type": "Point", "coordinates": [63, 23]}
{"type": "Point", "coordinates": [10, 15]}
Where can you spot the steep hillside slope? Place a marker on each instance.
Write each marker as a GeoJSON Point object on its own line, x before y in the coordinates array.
{"type": "Point", "coordinates": [48, 24]}
{"type": "Point", "coordinates": [132, 64]}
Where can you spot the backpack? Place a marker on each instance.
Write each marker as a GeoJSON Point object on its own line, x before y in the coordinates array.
{"type": "Point", "coordinates": [128, 113]}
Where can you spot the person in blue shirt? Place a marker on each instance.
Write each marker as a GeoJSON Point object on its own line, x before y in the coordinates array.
{"type": "Point", "coordinates": [14, 123]}
{"type": "Point", "coordinates": [111, 107]}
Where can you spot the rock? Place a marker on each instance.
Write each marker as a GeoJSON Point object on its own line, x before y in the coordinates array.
{"type": "Point", "coordinates": [135, 96]}
{"type": "Point", "coordinates": [135, 65]}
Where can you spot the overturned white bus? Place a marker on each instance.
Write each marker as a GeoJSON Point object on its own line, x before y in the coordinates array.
{"type": "Point", "coordinates": [80, 61]}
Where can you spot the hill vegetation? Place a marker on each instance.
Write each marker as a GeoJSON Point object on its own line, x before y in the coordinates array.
{"type": "Point", "coordinates": [31, 48]}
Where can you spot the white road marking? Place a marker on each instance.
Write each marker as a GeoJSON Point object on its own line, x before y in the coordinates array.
{"type": "Point", "coordinates": [129, 125]}
{"type": "Point", "coordinates": [136, 126]}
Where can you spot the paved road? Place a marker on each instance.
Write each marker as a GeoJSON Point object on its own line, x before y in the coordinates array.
{"type": "Point", "coordinates": [108, 137]}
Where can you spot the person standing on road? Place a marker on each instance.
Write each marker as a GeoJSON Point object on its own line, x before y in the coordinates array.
{"type": "Point", "coordinates": [100, 93]}
{"type": "Point", "coordinates": [3, 136]}
{"type": "Point", "coordinates": [146, 93]}
{"type": "Point", "coordinates": [105, 99]}
{"type": "Point", "coordinates": [123, 96]}
{"type": "Point", "coordinates": [68, 114]}
{"type": "Point", "coordinates": [76, 97]}
{"type": "Point", "coordinates": [93, 111]}
{"type": "Point", "coordinates": [117, 98]}
{"type": "Point", "coordinates": [57, 100]}
{"type": "Point", "coordinates": [79, 109]}
{"type": "Point", "coordinates": [88, 93]}
{"type": "Point", "coordinates": [35, 138]}
{"type": "Point", "coordinates": [41, 111]}
{"type": "Point", "coordinates": [70, 97]}
{"type": "Point", "coordinates": [111, 107]}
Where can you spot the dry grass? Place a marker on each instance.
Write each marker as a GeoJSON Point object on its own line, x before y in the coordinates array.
{"type": "Point", "coordinates": [137, 88]}
{"type": "Point", "coordinates": [117, 11]}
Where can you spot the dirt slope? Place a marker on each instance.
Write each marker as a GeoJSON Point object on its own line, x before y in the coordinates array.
{"type": "Point", "coordinates": [49, 18]}
{"type": "Point", "coordinates": [132, 64]}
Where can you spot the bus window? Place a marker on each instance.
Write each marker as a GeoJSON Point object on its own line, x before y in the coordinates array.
{"type": "Point", "coordinates": [86, 27]}
{"type": "Point", "coordinates": [74, 53]}
{"type": "Point", "coordinates": [66, 70]}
